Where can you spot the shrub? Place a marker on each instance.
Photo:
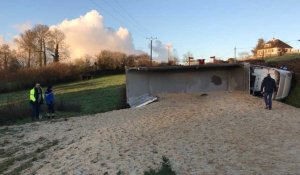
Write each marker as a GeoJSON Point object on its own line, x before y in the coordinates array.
{"type": "Point", "coordinates": [25, 78]}
{"type": "Point", "coordinates": [165, 169]}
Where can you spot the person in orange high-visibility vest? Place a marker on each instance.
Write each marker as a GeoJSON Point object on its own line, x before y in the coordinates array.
{"type": "Point", "coordinates": [36, 100]}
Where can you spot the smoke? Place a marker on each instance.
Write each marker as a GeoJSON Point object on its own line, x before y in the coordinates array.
{"type": "Point", "coordinates": [162, 51]}
{"type": "Point", "coordinates": [88, 35]}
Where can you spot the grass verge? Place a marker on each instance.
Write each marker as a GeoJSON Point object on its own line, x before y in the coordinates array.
{"type": "Point", "coordinates": [283, 58]}
{"type": "Point", "coordinates": [72, 99]}
{"type": "Point", "coordinates": [294, 97]}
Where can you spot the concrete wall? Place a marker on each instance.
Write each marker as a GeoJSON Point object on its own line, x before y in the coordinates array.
{"type": "Point", "coordinates": [139, 82]}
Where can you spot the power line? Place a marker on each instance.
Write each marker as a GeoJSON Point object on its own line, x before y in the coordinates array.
{"type": "Point", "coordinates": [131, 17]}
{"type": "Point", "coordinates": [118, 20]}
{"type": "Point", "coordinates": [118, 12]}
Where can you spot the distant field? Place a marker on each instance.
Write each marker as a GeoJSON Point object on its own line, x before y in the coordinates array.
{"type": "Point", "coordinates": [94, 96]}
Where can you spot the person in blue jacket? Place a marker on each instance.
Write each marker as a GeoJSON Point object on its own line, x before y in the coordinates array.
{"type": "Point", "coordinates": [49, 98]}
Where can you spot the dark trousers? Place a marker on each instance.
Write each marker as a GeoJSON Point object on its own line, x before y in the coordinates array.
{"type": "Point", "coordinates": [50, 108]}
{"type": "Point", "coordinates": [268, 99]}
{"type": "Point", "coordinates": [36, 108]}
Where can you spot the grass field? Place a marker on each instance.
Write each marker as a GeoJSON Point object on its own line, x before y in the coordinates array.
{"type": "Point", "coordinates": [283, 58]}
{"type": "Point", "coordinates": [294, 98]}
{"type": "Point", "coordinates": [94, 96]}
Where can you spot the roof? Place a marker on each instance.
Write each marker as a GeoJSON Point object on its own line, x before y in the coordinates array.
{"type": "Point", "coordinates": [276, 43]}
{"type": "Point", "coordinates": [184, 68]}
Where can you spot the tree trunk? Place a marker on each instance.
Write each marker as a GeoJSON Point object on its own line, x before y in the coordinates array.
{"type": "Point", "coordinates": [41, 56]}
{"type": "Point", "coordinates": [29, 58]}
{"type": "Point", "coordinates": [56, 54]}
{"type": "Point", "coordinates": [44, 53]}
{"type": "Point", "coordinates": [5, 61]}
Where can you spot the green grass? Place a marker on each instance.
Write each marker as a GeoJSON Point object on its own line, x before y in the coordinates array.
{"type": "Point", "coordinates": [94, 96]}
{"type": "Point", "coordinates": [283, 58]}
{"type": "Point", "coordinates": [63, 89]}
{"type": "Point", "coordinates": [294, 97]}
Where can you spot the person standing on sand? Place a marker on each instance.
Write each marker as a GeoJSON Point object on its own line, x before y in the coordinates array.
{"type": "Point", "coordinates": [36, 100]}
{"type": "Point", "coordinates": [268, 87]}
{"type": "Point", "coordinates": [49, 98]}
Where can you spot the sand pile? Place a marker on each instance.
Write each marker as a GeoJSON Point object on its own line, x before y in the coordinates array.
{"type": "Point", "coordinates": [221, 133]}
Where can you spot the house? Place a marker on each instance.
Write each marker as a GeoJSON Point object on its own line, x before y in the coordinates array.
{"type": "Point", "coordinates": [274, 47]}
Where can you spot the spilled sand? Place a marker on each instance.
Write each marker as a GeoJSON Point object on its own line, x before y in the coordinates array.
{"type": "Point", "coordinates": [218, 133]}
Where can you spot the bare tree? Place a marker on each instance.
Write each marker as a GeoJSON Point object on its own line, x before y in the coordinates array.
{"type": "Point", "coordinates": [8, 58]}
{"type": "Point", "coordinates": [27, 43]}
{"type": "Point", "coordinates": [43, 36]}
{"type": "Point", "coordinates": [243, 55]}
{"type": "Point", "coordinates": [187, 57]}
{"type": "Point", "coordinates": [260, 44]}
{"type": "Point", "coordinates": [4, 55]}
{"type": "Point", "coordinates": [57, 45]}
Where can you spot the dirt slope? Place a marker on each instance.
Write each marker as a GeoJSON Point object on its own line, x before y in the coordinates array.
{"type": "Point", "coordinates": [221, 133]}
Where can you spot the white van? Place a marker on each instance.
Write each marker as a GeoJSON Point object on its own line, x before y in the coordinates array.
{"type": "Point", "coordinates": [283, 79]}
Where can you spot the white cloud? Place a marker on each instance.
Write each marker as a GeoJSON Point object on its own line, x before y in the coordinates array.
{"type": "Point", "coordinates": [162, 51]}
{"type": "Point", "coordinates": [1, 39]}
{"type": "Point", "coordinates": [88, 35]}
{"type": "Point", "coordinates": [10, 43]}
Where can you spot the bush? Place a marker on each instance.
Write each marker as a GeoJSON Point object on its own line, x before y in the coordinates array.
{"type": "Point", "coordinates": [27, 77]}
{"type": "Point", "coordinates": [165, 169]}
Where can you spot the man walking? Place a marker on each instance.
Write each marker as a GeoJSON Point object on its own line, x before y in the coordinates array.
{"type": "Point", "coordinates": [36, 99]}
{"type": "Point", "coordinates": [268, 86]}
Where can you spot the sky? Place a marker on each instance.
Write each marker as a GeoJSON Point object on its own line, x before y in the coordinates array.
{"type": "Point", "coordinates": [203, 27]}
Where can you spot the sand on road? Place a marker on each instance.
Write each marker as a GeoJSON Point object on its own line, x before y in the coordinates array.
{"type": "Point", "coordinates": [218, 133]}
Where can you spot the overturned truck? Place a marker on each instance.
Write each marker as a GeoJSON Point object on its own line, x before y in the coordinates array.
{"type": "Point", "coordinates": [143, 84]}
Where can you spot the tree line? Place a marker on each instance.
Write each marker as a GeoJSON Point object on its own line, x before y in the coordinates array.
{"type": "Point", "coordinates": [35, 47]}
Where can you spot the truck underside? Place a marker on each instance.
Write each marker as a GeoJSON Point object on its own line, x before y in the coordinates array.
{"type": "Point", "coordinates": [143, 84]}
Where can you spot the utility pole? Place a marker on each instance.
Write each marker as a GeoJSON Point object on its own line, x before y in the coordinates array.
{"type": "Point", "coordinates": [168, 46]}
{"type": "Point", "coordinates": [151, 39]}
{"type": "Point", "coordinates": [234, 54]}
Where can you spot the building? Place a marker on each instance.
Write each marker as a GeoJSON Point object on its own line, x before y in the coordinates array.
{"type": "Point", "coordinates": [274, 47]}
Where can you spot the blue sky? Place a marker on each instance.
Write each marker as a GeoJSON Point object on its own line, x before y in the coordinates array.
{"type": "Point", "coordinates": [203, 27]}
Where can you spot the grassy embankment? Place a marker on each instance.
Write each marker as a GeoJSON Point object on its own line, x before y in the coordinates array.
{"type": "Point", "coordinates": [293, 64]}
{"type": "Point", "coordinates": [283, 58]}
{"type": "Point", "coordinates": [86, 97]}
